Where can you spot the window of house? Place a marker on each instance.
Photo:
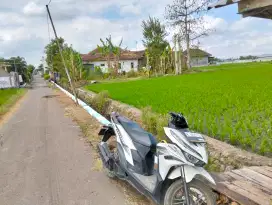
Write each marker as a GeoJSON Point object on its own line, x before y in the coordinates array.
{"type": "Point", "coordinates": [102, 64]}
{"type": "Point", "coordinates": [132, 65]}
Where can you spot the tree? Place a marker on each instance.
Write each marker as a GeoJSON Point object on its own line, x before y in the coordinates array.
{"type": "Point", "coordinates": [40, 67]}
{"type": "Point", "coordinates": [166, 60]}
{"type": "Point", "coordinates": [72, 59]}
{"type": "Point", "coordinates": [30, 68]}
{"type": "Point", "coordinates": [109, 50]}
{"type": "Point", "coordinates": [154, 33]}
{"type": "Point", "coordinates": [18, 64]}
{"type": "Point", "coordinates": [53, 58]}
{"type": "Point", "coordinates": [187, 15]}
{"type": "Point", "coordinates": [250, 57]}
{"type": "Point", "coordinates": [105, 50]}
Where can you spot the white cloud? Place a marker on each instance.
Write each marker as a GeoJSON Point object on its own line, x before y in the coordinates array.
{"type": "Point", "coordinates": [33, 9]}
{"type": "Point", "coordinates": [82, 23]}
{"type": "Point", "coordinates": [248, 36]}
{"type": "Point", "coordinates": [9, 19]}
{"type": "Point", "coordinates": [214, 23]}
{"type": "Point", "coordinates": [130, 9]}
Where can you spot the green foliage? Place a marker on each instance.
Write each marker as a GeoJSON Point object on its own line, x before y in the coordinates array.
{"type": "Point", "coordinates": [143, 71]}
{"type": "Point", "coordinates": [154, 33]}
{"type": "Point", "coordinates": [100, 102]}
{"type": "Point", "coordinates": [248, 57]}
{"type": "Point", "coordinates": [106, 75]}
{"type": "Point", "coordinates": [72, 59]}
{"type": "Point", "coordinates": [53, 58]}
{"type": "Point", "coordinates": [108, 49]}
{"type": "Point", "coordinates": [29, 70]}
{"type": "Point", "coordinates": [131, 74]}
{"type": "Point", "coordinates": [46, 76]}
{"type": "Point", "coordinates": [149, 120]}
{"type": "Point", "coordinates": [154, 122]}
{"type": "Point", "coordinates": [18, 64]}
{"type": "Point", "coordinates": [98, 70]}
{"type": "Point", "coordinates": [233, 104]}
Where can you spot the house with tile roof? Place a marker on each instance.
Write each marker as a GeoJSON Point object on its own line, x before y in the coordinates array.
{"type": "Point", "coordinates": [128, 61]}
{"type": "Point", "coordinates": [198, 57]}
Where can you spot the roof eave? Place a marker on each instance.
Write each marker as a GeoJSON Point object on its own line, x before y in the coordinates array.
{"type": "Point", "coordinates": [222, 3]}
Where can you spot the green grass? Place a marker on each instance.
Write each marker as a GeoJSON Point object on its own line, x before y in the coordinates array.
{"type": "Point", "coordinates": [233, 104]}
{"type": "Point", "coordinates": [227, 66]}
{"type": "Point", "coordinates": [8, 97]}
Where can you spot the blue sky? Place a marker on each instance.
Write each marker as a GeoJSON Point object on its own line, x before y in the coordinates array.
{"type": "Point", "coordinates": [229, 13]}
{"type": "Point", "coordinates": [82, 23]}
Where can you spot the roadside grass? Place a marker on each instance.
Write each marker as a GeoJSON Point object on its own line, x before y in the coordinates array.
{"type": "Point", "coordinates": [232, 104]}
{"type": "Point", "coordinates": [8, 97]}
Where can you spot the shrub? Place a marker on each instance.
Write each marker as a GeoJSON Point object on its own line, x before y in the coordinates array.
{"type": "Point", "coordinates": [149, 120]}
{"type": "Point", "coordinates": [98, 71]}
{"type": "Point", "coordinates": [154, 123]}
{"type": "Point", "coordinates": [106, 75]}
{"type": "Point", "coordinates": [132, 74]}
{"type": "Point", "coordinates": [143, 71]}
{"type": "Point", "coordinates": [100, 102]}
{"type": "Point", "coordinates": [64, 83]}
{"type": "Point", "coordinates": [46, 76]}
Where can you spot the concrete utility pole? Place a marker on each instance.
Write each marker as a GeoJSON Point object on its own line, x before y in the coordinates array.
{"type": "Point", "coordinates": [61, 54]}
{"type": "Point", "coordinates": [16, 74]}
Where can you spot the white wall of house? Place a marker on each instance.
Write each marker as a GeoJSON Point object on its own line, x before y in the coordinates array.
{"type": "Point", "coordinates": [5, 82]}
{"type": "Point", "coordinates": [199, 61]}
{"type": "Point", "coordinates": [126, 65]}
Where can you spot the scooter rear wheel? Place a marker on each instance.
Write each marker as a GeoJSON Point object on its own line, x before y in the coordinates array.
{"type": "Point", "coordinates": [199, 194]}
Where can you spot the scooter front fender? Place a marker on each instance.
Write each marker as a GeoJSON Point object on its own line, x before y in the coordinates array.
{"type": "Point", "coordinates": [190, 173]}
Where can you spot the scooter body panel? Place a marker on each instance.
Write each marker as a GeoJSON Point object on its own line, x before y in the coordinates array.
{"type": "Point", "coordinates": [190, 173]}
{"type": "Point", "coordinates": [130, 164]}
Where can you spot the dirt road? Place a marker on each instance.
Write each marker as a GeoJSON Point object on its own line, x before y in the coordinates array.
{"type": "Point", "coordinates": [44, 161]}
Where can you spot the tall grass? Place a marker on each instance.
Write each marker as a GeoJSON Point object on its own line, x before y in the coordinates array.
{"type": "Point", "coordinates": [8, 97]}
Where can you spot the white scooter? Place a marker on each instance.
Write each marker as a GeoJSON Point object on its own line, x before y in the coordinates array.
{"type": "Point", "coordinates": [169, 173]}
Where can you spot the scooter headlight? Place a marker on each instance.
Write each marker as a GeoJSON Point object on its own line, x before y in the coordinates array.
{"type": "Point", "coordinates": [191, 158]}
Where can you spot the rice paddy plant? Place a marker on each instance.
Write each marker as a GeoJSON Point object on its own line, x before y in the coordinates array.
{"type": "Point", "coordinates": [233, 104]}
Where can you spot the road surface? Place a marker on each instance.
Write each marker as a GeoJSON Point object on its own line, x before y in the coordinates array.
{"type": "Point", "coordinates": [44, 161]}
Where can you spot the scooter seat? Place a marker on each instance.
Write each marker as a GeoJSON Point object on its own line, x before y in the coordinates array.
{"type": "Point", "coordinates": [137, 134]}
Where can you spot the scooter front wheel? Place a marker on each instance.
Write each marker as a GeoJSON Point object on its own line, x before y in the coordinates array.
{"type": "Point", "coordinates": [199, 194]}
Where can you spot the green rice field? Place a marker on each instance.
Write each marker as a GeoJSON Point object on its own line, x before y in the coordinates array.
{"type": "Point", "coordinates": [233, 103]}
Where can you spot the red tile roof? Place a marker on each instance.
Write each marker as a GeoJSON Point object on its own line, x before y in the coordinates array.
{"type": "Point", "coordinates": [95, 55]}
